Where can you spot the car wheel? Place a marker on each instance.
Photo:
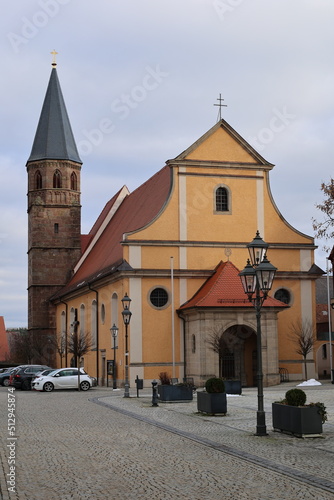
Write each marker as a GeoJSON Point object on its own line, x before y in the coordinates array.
{"type": "Point", "coordinates": [84, 386]}
{"type": "Point", "coordinates": [48, 387]}
{"type": "Point", "coordinates": [26, 386]}
{"type": "Point", "coordinates": [6, 382]}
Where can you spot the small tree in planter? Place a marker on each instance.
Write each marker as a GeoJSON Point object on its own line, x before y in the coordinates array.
{"type": "Point", "coordinates": [213, 399]}
{"type": "Point", "coordinates": [293, 416]}
{"type": "Point", "coordinates": [177, 392]}
{"type": "Point", "coordinates": [164, 378]}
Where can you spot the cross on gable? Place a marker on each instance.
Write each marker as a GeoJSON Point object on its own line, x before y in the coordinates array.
{"type": "Point", "coordinates": [220, 106]}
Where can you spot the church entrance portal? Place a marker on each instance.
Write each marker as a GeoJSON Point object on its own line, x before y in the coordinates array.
{"type": "Point", "coordinates": [238, 356]}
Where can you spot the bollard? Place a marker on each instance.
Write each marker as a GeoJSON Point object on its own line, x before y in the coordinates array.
{"type": "Point", "coordinates": [154, 393]}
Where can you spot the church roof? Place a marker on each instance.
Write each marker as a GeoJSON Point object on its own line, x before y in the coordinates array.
{"type": "Point", "coordinates": [125, 212]}
{"type": "Point", "coordinates": [224, 289]}
{"type": "Point", "coordinates": [54, 138]}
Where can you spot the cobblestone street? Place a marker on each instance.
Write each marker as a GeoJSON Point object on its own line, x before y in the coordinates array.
{"type": "Point", "coordinates": [98, 445]}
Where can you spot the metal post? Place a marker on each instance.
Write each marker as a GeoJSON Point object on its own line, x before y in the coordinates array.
{"type": "Point", "coordinates": [154, 393]}
{"type": "Point", "coordinates": [258, 276]}
{"type": "Point", "coordinates": [126, 385]}
{"type": "Point", "coordinates": [261, 429]}
{"type": "Point", "coordinates": [114, 383]}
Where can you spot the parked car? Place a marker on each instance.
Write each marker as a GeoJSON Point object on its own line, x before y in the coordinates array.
{"type": "Point", "coordinates": [42, 373]}
{"type": "Point", "coordinates": [22, 376]}
{"type": "Point", "coordinates": [4, 376]}
{"type": "Point", "coordinates": [63, 378]}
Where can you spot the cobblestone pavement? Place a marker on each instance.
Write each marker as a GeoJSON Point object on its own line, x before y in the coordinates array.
{"type": "Point", "coordinates": [98, 445]}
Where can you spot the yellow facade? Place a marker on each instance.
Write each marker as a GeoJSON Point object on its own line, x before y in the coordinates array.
{"type": "Point", "coordinates": [185, 241]}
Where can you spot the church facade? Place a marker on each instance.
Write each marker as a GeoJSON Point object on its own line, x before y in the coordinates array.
{"type": "Point", "coordinates": [175, 247]}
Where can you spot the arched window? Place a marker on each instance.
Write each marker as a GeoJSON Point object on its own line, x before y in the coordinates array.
{"type": "Point", "coordinates": [93, 323]}
{"type": "Point", "coordinates": [74, 181]}
{"type": "Point", "coordinates": [82, 320]}
{"type": "Point", "coordinates": [72, 317]}
{"type": "Point", "coordinates": [57, 179]}
{"type": "Point", "coordinates": [193, 344]}
{"type": "Point", "coordinates": [114, 309]}
{"type": "Point", "coordinates": [38, 180]}
{"type": "Point", "coordinates": [63, 333]}
{"type": "Point", "coordinates": [324, 351]}
{"type": "Point", "coordinates": [222, 200]}
{"type": "Point", "coordinates": [103, 314]}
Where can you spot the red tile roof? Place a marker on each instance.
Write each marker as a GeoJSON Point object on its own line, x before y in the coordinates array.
{"type": "Point", "coordinates": [224, 289]}
{"type": "Point", "coordinates": [135, 211]}
{"type": "Point", "coordinates": [4, 351]}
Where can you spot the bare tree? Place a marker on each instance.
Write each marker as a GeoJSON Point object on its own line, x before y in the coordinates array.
{"type": "Point", "coordinates": [302, 334]}
{"type": "Point", "coordinates": [58, 342]}
{"type": "Point", "coordinates": [79, 344]}
{"type": "Point", "coordinates": [217, 344]}
{"type": "Point", "coordinates": [31, 347]}
{"type": "Point", "coordinates": [21, 349]}
{"type": "Point", "coordinates": [325, 229]}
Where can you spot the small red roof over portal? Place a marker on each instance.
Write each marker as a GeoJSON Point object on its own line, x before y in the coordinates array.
{"type": "Point", "coordinates": [224, 289]}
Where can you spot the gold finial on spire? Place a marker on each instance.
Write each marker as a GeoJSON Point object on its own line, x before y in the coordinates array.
{"type": "Point", "coordinates": [54, 53]}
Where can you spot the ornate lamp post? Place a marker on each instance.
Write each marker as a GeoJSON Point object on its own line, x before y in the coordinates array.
{"type": "Point", "coordinates": [126, 313]}
{"type": "Point", "coordinates": [257, 278]}
{"type": "Point", "coordinates": [114, 333]}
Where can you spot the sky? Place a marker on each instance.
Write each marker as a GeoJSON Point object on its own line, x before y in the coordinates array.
{"type": "Point", "coordinates": [140, 79]}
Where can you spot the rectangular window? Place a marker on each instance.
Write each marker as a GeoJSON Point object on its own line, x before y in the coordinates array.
{"type": "Point", "coordinates": [56, 228]}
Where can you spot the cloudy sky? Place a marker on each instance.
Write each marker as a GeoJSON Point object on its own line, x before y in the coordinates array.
{"type": "Point", "coordinates": [140, 78]}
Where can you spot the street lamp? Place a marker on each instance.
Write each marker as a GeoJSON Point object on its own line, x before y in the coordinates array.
{"type": "Point", "coordinates": [257, 277]}
{"type": "Point", "coordinates": [114, 333]}
{"type": "Point", "coordinates": [126, 313]}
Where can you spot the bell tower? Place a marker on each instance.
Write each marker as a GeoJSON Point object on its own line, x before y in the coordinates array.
{"type": "Point", "coordinates": [54, 210]}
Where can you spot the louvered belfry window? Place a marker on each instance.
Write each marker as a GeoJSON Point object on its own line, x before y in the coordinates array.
{"type": "Point", "coordinates": [57, 179]}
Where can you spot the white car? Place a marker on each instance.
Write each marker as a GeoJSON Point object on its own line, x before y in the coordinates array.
{"type": "Point", "coordinates": [63, 378]}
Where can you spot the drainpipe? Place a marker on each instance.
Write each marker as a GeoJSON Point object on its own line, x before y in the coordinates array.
{"type": "Point", "coordinates": [65, 332]}
{"type": "Point", "coordinates": [97, 330]}
{"type": "Point", "coordinates": [184, 348]}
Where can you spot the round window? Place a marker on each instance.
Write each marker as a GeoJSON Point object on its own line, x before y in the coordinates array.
{"type": "Point", "coordinates": [159, 297]}
{"type": "Point", "coordinates": [283, 295]}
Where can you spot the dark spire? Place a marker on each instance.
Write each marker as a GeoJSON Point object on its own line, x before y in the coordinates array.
{"type": "Point", "coordinates": [54, 138]}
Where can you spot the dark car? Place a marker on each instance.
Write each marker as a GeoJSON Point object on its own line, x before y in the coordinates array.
{"type": "Point", "coordinates": [22, 376]}
{"type": "Point", "coordinates": [4, 376]}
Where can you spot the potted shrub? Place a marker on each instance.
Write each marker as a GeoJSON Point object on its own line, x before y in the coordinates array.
{"type": "Point", "coordinates": [177, 392]}
{"type": "Point", "coordinates": [233, 386]}
{"type": "Point", "coordinates": [293, 416]}
{"type": "Point", "coordinates": [213, 399]}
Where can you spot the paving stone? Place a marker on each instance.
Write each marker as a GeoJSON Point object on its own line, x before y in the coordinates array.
{"type": "Point", "coordinates": [99, 445]}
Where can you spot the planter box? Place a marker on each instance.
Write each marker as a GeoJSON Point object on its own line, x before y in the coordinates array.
{"type": "Point", "coordinates": [233, 386]}
{"type": "Point", "coordinates": [211, 403]}
{"type": "Point", "coordinates": [175, 393]}
{"type": "Point", "coordinates": [301, 421]}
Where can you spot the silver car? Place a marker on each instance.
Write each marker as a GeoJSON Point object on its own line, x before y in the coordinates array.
{"type": "Point", "coordinates": [63, 378]}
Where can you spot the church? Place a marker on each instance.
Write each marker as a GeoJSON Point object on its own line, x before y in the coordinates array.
{"type": "Point", "coordinates": [167, 256]}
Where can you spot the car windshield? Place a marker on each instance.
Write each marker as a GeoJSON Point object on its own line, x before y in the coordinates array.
{"type": "Point", "coordinates": [47, 374]}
